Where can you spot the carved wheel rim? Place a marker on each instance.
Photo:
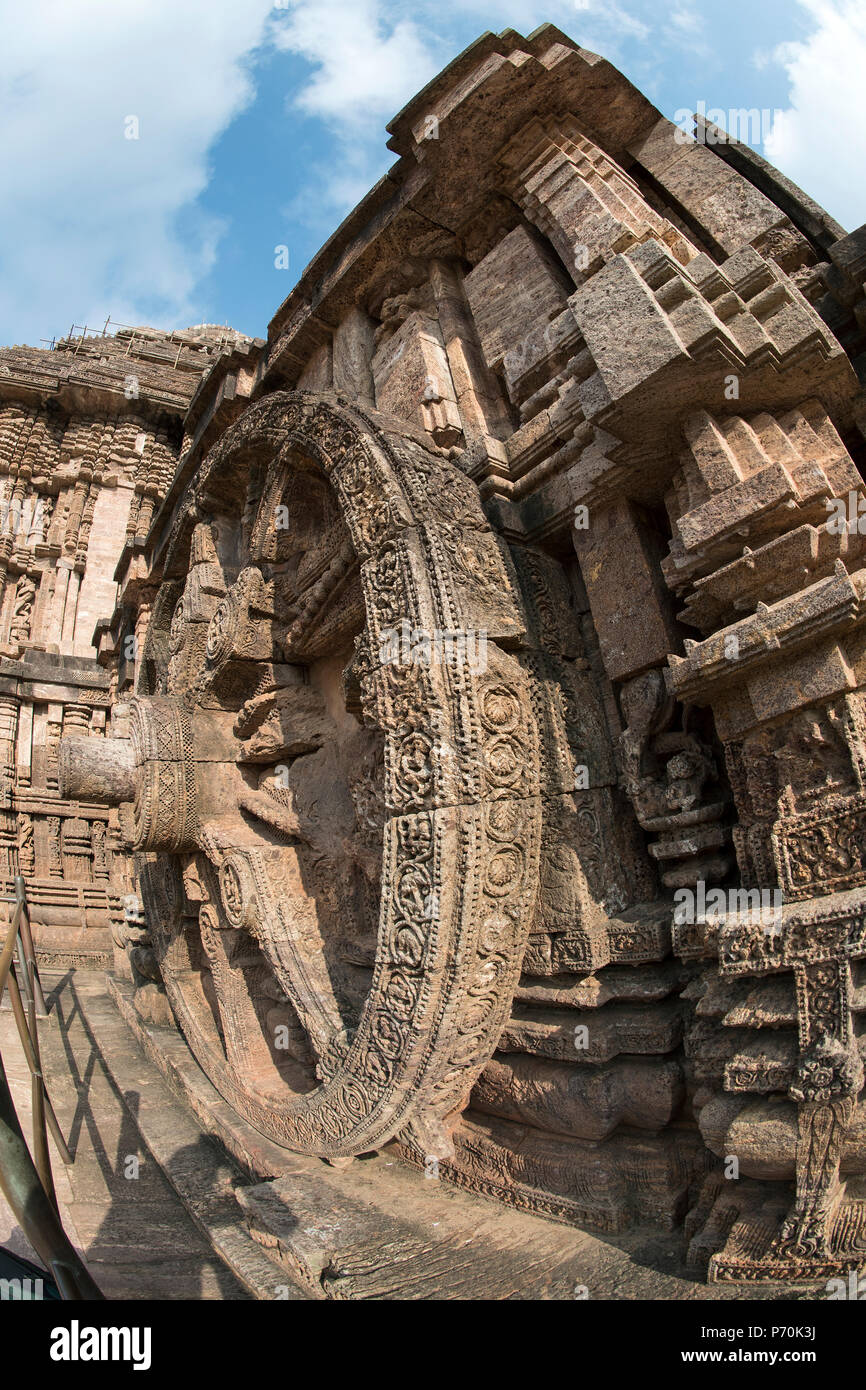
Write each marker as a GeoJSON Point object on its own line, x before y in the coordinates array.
{"type": "Point", "coordinates": [461, 791]}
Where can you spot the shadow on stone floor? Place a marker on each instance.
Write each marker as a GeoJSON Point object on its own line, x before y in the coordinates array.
{"type": "Point", "coordinates": [139, 1240]}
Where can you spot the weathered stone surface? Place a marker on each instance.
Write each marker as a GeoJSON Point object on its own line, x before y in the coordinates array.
{"type": "Point", "coordinates": [436, 825]}
{"type": "Point", "coordinates": [90, 434]}
{"type": "Point", "coordinates": [516, 288]}
{"type": "Point", "coordinates": [587, 1102]}
{"type": "Point", "coordinates": [630, 609]}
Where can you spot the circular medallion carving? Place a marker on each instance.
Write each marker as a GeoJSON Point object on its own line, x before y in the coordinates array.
{"type": "Point", "coordinates": [222, 631]}
{"type": "Point", "coordinates": [237, 889]}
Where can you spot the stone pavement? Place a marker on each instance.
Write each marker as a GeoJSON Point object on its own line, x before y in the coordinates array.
{"type": "Point", "coordinates": [137, 1238]}
{"type": "Point", "coordinates": [162, 1210]}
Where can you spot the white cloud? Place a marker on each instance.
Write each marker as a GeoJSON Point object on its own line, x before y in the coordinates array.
{"type": "Point", "coordinates": [686, 19]}
{"type": "Point", "coordinates": [89, 219]}
{"type": "Point", "coordinates": [623, 22]}
{"type": "Point", "coordinates": [688, 30]}
{"type": "Point", "coordinates": [370, 56]}
{"type": "Point", "coordinates": [365, 67]}
{"type": "Point", "coordinates": [94, 223]}
{"type": "Point", "coordinates": [819, 140]}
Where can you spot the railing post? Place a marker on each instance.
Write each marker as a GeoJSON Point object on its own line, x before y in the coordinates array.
{"type": "Point", "coordinates": [31, 1207]}
{"type": "Point", "coordinates": [38, 1214]}
{"type": "Point", "coordinates": [33, 981]}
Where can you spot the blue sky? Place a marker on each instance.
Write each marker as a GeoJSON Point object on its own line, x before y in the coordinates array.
{"type": "Point", "coordinates": [261, 124]}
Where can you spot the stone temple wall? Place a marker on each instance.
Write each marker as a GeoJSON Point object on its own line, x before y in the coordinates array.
{"type": "Point", "coordinates": [90, 434]}
{"type": "Point", "coordinates": [569, 384]}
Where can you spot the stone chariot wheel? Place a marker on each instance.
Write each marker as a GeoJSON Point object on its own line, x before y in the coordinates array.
{"type": "Point", "coordinates": [336, 811]}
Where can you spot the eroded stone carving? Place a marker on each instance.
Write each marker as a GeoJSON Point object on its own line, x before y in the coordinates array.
{"type": "Point", "coordinates": [460, 779]}
{"type": "Point", "coordinates": [391, 891]}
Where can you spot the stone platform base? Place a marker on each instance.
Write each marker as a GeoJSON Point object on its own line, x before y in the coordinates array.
{"type": "Point", "coordinates": [735, 1228]}
{"type": "Point", "coordinates": [630, 1179]}
{"type": "Point", "coordinates": [70, 922]}
{"type": "Point", "coordinates": [58, 952]}
{"type": "Point", "coordinates": [379, 1229]}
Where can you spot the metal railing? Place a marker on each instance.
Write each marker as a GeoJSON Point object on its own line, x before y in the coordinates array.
{"type": "Point", "coordinates": [27, 1182]}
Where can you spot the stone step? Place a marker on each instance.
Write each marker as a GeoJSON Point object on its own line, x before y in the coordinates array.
{"type": "Point", "coordinates": [378, 1230]}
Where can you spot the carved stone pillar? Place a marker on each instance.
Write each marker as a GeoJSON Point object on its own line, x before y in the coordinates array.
{"type": "Point", "coordinates": [25, 745]}
{"type": "Point", "coordinates": [76, 720]}
{"type": "Point", "coordinates": [22, 610]}
{"type": "Point", "coordinates": [479, 395]}
{"type": "Point", "coordinates": [76, 511]}
{"type": "Point", "coordinates": [54, 627]}
{"type": "Point", "coordinates": [55, 858]}
{"type": "Point", "coordinates": [15, 502]}
{"type": "Point", "coordinates": [142, 622]}
{"type": "Point", "coordinates": [353, 354]}
{"type": "Point", "coordinates": [76, 849]}
{"type": "Point", "coordinates": [53, 733]}
{"type": "Point", "coordinates": [42, 606]}
{"type": "Point", "coordinates": [147, 506]}
{"type": "Point", "coordinates": [410, 365]}
{"type": "Point", "coordinates": [26, 851]}
{"type": "Point", "coordinates": [87, 522]}
{"type": "Point", "coordinates": [99, 851]}
{"type": "Point", "coordinates": [70, 612]}
{"type": "Point", "coordinates": [8, 827]}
